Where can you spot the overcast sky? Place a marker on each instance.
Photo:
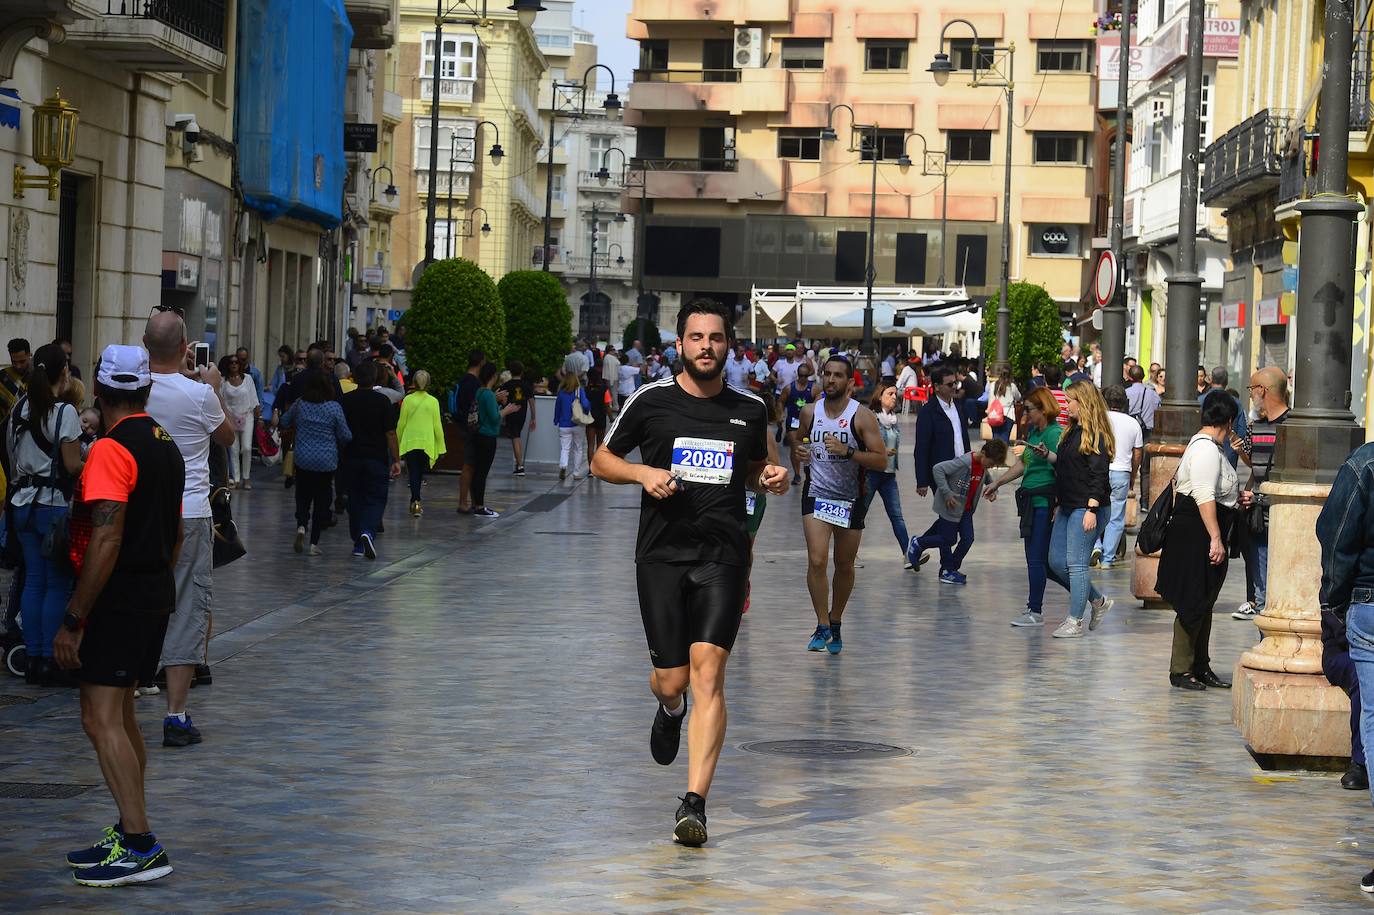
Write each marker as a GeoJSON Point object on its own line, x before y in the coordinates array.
{"type": "Point", "coordinates": [606, 20]}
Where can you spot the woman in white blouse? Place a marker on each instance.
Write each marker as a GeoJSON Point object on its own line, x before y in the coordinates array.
{"type": "Point", "coordinates": [1192, 566]}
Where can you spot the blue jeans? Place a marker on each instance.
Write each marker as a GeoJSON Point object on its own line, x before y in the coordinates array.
{"type": "Point", "coordinates": [885, 485]}
{"type": "Point", "coordinates": [1003, 431]}
{"type": "Point", "coordinates": [1259, 566]}
{"type": "Point", "coordinates": [954, 538]}
{"type": "Point", "coordinates": [44, 599]}
{"type": "Point", "coordinates": [1116, 523]}
{"type": "Point", "coordinates": [1070, 549]}
{"type": "Point", "coordinates": [1359, 630]}
{"type": "Point", "coordinates": [1038, 557]}
{"type": "Point", "coordinates": [367, 487]}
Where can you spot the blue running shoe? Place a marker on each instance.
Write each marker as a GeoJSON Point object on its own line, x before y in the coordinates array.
{"type": "Point", "coordinates": [369, 549]}
{"type": "Point", "coordinates": [950, 577]}
{"type": "Point", "coordinates": [818, 639]}
{"type": "Point", "coordinates": [836, 643]}
{"type": "Point", "coordinates": [97, 853]}
{"type": "Point", "coordinates": [913, 553]}
{"type": "Point", "coordinates": [179, 733]}
{"type": "Point", "coordinates": [124, 865]}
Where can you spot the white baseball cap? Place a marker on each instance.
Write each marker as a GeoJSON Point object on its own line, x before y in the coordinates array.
{"type": "Point", "coordinates": [124, 367]}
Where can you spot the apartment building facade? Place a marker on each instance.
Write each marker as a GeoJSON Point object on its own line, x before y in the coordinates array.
{"type": "Point", "coordinates": [488, 72]}
{"type": "Point", "coordinates": [741, 190]}
{"type": "Point", "coordinates": [1155, 165]}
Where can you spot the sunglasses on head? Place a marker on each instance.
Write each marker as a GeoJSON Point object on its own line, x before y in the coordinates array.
{"type": "Point", "coordinates": [176, 309]}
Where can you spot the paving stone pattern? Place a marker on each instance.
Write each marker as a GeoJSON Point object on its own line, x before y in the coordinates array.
{"type": "Point", "coordinates": [462, 726]}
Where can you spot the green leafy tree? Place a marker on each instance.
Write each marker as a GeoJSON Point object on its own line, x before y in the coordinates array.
{"type": "Point", "coordinates": [455, 308]}
{"type": "Point", "coordinates": [538, 320]}
{"type": "Point", "coordinates": [1036, 329]}
{"type": "Point", "coordinates": [645, 331]}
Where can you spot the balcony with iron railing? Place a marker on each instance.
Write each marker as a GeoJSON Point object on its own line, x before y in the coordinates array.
{"type": "Point", "coordinates": [172, 36]}
{"type": "Point", "coordinates": [588, 181]}
{"type": "Point", "coordinates": [580, 265]}
{"type": "Point", "coordinates": [1245, 161]}
{"type": "Point", "coordinates": [458, 91]}
{"type": "Point", "coordinates": [685, 165]}
{"type": "Point", "coordinates": [1361, 73]}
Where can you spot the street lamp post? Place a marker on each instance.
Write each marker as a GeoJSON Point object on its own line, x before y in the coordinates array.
{"type": "Point", "coordinates": [496, 153]}
{"type": "Point", "coordinates": [1114, 315]}
{"type": "Point", "coordinates": [1176, 419]}
{"type": "Point", "coordinates": [471, 222]}
{"type": "Point", "coordinates": [870, 273]}
{"type": "Point", "coordinates": [1000, 79]}
{"type": "Point", "coordinates": [525, 11]}
{"type": "Point", "coordinates": [390, 192]}
{"type": "Point", "coordinates": [612, 108]}
{"type": "Point", "coordinates": [929, 167]}
{"type": "Point", "coordinates": [1321, 431]}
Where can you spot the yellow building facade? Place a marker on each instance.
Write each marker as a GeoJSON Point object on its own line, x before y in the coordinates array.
{"type": "Point", "coordinates": [487, 72]}
{"type": "Point", "coordinates": [732, 95]}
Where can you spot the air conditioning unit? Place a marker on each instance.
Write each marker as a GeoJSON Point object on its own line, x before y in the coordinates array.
{"type": "Point", "coordinates": [748, 48]}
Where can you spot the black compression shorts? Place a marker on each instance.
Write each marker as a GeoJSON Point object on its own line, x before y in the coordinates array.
{"type": "Point", "coordinates": [686, 602]}
{"type": "Point", "coordinates": [121, 649]}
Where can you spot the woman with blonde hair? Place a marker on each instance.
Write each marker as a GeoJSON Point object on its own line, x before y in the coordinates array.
{"type": "Point", "coordinates": [1083, 489]}
{"type": "Point", "coordinates": [420, 435]}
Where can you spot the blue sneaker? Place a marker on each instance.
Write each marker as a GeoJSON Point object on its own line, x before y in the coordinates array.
{"type": "Point", "coordinates": [358, 551]}
{"type": "Point", "coordinates": [951, 577]}
{"type": "Point", "coordinates": [836, 643]}
{"type": "Point", "coordinates": [178, 733]}
{"type": "Point", "coordinates": [124, 865]}
{"type": "Point", "coordinates": [90, 857]}
{"type": "Point", "coordinates": [914, 553]}
{"type": "Point", "coordinates": [818, 639]}
{"type": "Point", "coordinates": [369, 549]}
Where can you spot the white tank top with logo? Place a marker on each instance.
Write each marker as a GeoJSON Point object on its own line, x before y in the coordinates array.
{"type": "Point", "coordinates": [833, 476]}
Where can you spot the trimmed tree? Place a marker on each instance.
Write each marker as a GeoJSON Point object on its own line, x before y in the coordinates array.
{"type": "Point", "coordinates": [645, 331]}
{"type": "Point", "coordinates": [538, 320]}
{"type": "Point", "coordinates": [455, 308]}
{"type": "Point", "coordinates": [1036, 328]}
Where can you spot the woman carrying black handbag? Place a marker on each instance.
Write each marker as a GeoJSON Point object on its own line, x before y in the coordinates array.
{"type": "Point", "coordinates": [1192, 567]}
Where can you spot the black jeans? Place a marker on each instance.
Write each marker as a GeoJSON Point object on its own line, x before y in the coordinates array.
{"type": "Point", "coordinates": [367, 482]}
{"type": "Point", "coordinates": [313, 489]}
{"type": "Point", "coordinates": [485, 452]}
{"type": "Point", "coordinates": [417, 463]}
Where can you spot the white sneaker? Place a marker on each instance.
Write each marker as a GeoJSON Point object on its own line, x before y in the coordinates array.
{"type": "Point", "coordinates": [315, 550]}
{"type": "Point", "coordinates": [1029, 619]}
{"type": "Point", "coordinates": [1099, 611]}
{"type": "Point", "coordinates": [149, 690]}
{"type": "Point", "coordinates": [1245, 611]}
{"type": "Point", "coordinates": [1069, 629]}
{"type": "Point", "coordinates": [299, 543]}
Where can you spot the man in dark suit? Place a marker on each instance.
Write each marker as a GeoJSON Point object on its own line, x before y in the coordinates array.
{"type": "Point", "coordinates": [940, 432]}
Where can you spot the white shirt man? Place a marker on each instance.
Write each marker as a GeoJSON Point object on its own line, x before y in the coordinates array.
{"type": "Point", "coordinates": [951, 410]}
{"type": "Point", "coordinates": [786, 369]}
{"type": "Point", "coordinates": [629, 375]}
{"type": "Point", "coordinates": [736, 369]}
{"type": "Point", "coordinates": [889, 367]}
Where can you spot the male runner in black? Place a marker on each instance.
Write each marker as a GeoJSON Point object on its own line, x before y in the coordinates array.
{"type": "Point", "coordinates": [702, 444]}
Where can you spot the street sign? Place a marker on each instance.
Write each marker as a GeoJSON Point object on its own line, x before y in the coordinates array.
{"type": "Point", "coordinates": [373, 276]}
{"type": "Point", "coordinates": [1104, 279]}
{"type": "Point", "coordinates": [360, 138]}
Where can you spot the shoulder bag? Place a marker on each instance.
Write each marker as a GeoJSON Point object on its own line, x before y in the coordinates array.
{"type": "Point", "coordinates": [580, 416]}
{"type": "Point", "coordinates": [227, 545]}
{"type": "Point", "coordinates": [1154, 529]}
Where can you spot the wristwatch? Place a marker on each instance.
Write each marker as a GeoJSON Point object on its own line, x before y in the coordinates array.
{"type": "Point", "coordinates": [850, 453]}
{"type": "Point", "coordinates": [73, 623]}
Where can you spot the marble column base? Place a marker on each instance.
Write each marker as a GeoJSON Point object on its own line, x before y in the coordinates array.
{"type": "Point", "coordinates": [1291, 721]}
{"type": "Point", "coordinates": [1163, 462]}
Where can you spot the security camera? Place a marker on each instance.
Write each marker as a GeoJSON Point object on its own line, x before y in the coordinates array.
{"type": "Point", "coordinates": [186, 123]}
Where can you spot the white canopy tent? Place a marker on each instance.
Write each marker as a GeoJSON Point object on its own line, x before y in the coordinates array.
{"type": "Point", "coordinates": [838, 311]}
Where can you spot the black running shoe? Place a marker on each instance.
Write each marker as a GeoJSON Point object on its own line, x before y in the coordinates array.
{"type": "Point", "coordinates": [1367, 882]}
{"type": "Point", "coordinates": [666, 734]}
{"type": "Point", "coordinates": [691, 821]}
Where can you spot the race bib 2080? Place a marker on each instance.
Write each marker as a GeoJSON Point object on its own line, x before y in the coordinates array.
{"type": "Point", "coordinates": [703, 460]}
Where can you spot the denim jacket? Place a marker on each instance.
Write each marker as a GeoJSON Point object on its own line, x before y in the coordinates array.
{"type": "Point", "coordinates": [1345, 530]}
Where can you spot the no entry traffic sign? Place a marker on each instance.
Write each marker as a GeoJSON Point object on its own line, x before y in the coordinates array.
{"type": "Point", "coordinates": [1104, 279]}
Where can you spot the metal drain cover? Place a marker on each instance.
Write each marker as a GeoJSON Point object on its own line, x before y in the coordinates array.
{"type": "Point", "coordinates": [46, 791]}
{"type": "Point", "coordinates": [826, 749]}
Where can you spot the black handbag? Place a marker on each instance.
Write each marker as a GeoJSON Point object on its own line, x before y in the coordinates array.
{"type": "Point", "coordinates": [1257, 518]}
{"type": "Point", "coordinates": [1149, 537]}
{"type": "Point", "coordinates": [227, 545]}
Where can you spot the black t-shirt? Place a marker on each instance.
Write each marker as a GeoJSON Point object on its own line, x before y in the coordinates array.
{"type": "Point", "coordinates": [370, 415]}
{"type": "Point", "coordinates": [464, 396]}
{"type": "Point", "coordinates": [709, 443]}
{"type": "Point", "coordinates": [518, 392]}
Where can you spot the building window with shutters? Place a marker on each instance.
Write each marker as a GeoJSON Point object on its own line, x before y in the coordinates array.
{"type": "Point", "coordinates": [803, 54]}
{"type": "Point", "coordinates": [799, 143]}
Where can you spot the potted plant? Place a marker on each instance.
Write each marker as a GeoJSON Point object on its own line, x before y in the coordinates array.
{"type": "Point", "coordinates": [454, 309]}
{"type": "Point", "coordinates": [1036, 329]}
{"type": "Point", "coordinates": [538, 320]}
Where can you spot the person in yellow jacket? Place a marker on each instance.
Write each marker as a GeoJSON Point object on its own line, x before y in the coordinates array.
{"type": "Point", "coordinates": [421, 435]}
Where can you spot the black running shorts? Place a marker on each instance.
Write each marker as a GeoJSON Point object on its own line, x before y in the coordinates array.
{"type": "Point", "coordinates": [686, 602]}
{"type": "Point", "coordinates": [121, 649]}
{"type": "Point", "coordinates": [857, 513]}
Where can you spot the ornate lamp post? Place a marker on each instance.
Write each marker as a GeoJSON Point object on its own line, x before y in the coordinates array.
{"type": "Point", "coordinates": [54, 145]}
{"type": "Point", "coordinates": [869, 132]}
{"type": "Point", "coordinates": [612, 108]}
{"type": "Point", "coordinates": [934, 163]}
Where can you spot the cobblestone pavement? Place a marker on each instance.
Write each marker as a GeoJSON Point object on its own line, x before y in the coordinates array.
{"type": "Point", "coordinates": [462, 727]}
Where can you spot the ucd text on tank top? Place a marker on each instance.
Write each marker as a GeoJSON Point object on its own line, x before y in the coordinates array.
{"type": "Point", "coordinates": [833, 476]}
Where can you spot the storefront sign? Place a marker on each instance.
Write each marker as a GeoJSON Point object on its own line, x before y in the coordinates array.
{"type": "Point", "coordinates": [1232, 315]}
{"type": "Point", "coordinates": [1271, 313]}
{"type": "Point", "coordinates": [373, 276]}
{"type": "Point", "coordinates": [1220, 38]}
{"type": "Point", "coordinates": [360, 138]}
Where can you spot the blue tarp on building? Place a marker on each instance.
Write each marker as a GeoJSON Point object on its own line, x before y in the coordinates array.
{"type": "Point", "coordinates": [292, 64]}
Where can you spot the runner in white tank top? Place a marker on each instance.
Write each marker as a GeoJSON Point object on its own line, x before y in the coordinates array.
{"type": "Point", "coordinates": [842, 441]}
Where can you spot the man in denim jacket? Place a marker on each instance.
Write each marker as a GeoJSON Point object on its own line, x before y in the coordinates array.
{"type": "Point", "coordinates": [1345, 530]}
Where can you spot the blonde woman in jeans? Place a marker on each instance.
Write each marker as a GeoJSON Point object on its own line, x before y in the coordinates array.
{"type": "Point", "coordinates": [572, 441]}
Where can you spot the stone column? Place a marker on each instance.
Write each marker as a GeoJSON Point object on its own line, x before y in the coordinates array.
{"type": "Point", "coordinates": [1289, 715]}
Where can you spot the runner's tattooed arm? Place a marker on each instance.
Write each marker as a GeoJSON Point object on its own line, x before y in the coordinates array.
{"type": "Point", "coordinates": [107, 534]}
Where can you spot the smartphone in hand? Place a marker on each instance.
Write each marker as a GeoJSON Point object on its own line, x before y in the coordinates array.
{"type": "Point", "coordinates": [202, 352]}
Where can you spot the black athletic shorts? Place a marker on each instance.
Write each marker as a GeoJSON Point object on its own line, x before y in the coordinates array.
{"type": "Point", "coordinates": [121, 649]}
{"type": "Point", "coordinates": [513, 426]}
{"type": "Point", "coordinates": [856, 514]}
{"type": "Point", "coordinates": [686, 602]}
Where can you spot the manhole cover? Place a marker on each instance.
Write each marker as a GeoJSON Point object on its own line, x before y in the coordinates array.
{"type": "Point", "coordinates": [826, 749]}
{"type": "Point", "coordinates": [46, 791]}
{"type": "Point", "coordinates": [545, 503]}
{"type": "Point", "coordinates": [15, 700]}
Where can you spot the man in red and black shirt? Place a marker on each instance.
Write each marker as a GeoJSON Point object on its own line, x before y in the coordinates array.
{"type": "Point", "coordinates": [131, 489]}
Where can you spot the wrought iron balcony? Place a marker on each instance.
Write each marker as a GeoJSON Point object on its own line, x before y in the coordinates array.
{"type": "Point", "coordinates": [1293, 178]}
{"type": "Point", "coordinates": [1361, 73]}
{"type": "Point", "coordinates": [203, 20]}
{"type": "Point", "coordinates": [1245, 161]}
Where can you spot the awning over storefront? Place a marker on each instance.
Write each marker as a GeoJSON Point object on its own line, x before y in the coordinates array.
{"type": "Point", "coordinates": [838, 311]}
